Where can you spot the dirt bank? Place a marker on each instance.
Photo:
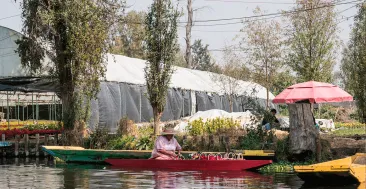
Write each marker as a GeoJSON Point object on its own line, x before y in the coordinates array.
{"type": "Point", "coordinates": [343, 146]}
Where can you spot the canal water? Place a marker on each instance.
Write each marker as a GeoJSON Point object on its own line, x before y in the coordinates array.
{"type": "Point", "coordinates": [43, 173]}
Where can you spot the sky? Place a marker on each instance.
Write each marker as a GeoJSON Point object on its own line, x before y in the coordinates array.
{"type": "Point", "coordinates": [217, 37]}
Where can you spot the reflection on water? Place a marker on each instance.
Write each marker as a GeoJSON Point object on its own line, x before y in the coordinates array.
{"type": "Point", "coordinates": [35, 173]}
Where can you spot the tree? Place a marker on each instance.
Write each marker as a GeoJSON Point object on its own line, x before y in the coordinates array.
{"type": "Point", "coordinates": [188, 55]}
{"type": "Point", "coordinates": [263, 42]}
{"type": "Point", "coordinates": [201, 58]}
{"type": "Point", "coordinates": [131, 35]}
{"type": "Point", "coordinates": [75, 35]}
{"type": "Point", "coordinates": [354, 62]}
{"type": "Point", "coordinates": [230, 75]}
{"type": "Point", "coordinates": [179, 60]}
{"type": "Point", "coordinates": [281, 81]}
{"type": "Point", "coordinates": [312, 40]}
{"type": "Point", "coordinates": [161, 48]}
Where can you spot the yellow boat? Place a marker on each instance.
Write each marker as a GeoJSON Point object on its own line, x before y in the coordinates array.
{"type": "Point", "coordinates": [348, 170]}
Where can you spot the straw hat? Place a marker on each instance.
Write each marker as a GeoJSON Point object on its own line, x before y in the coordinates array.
{"type": "Point", "coordinates": [168, 131]}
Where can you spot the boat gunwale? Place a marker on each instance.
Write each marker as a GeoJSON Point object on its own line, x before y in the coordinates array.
{"type": "Point", "coordinates": [72, 148]}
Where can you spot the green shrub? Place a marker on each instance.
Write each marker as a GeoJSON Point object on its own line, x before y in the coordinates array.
{"type": "Point", "coordinates": [257, 139]}
{"type": "Point", "coordinates": [146, 130]}
{"type": "Point", "coordinates": [145, 143]}
{"type": "Point", "coordinates": [211, 126]}
{"type": "Point", "coordinates": [351, 125]}
{"type": "Point", "coordinates": [252, 141]}
{"type": "Point", "coordinates": [50, 126]}
{"type": "Point", "coordinates": [125, 142]}
{"type": "Point", "coordinates": [98, 139]}
{"type": "Point", "coordinates": [282, 149]}
{"type": "Point", "coordinates": [325, 112]}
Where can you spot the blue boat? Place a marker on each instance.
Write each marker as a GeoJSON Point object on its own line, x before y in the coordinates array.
{"type": "Point", "coordinates": [5, 144]}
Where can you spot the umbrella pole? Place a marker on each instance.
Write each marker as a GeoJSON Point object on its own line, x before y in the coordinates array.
{"type": "Point", "coordinates": [318, 141]}
{"type": "Point", "coordinates": [319, 107]}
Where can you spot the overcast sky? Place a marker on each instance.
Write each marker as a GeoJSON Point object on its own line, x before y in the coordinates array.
{"type": "Point", "coordinates": [216, 36]}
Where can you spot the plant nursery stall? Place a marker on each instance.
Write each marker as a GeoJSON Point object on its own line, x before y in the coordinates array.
{"type": "Point", "coordinates": [123, 91]}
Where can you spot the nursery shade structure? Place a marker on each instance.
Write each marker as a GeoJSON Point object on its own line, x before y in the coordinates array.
{"type": "Point", "coordinates": [123, 89]}
{"type": "Point", "coordinates": [315, 92]}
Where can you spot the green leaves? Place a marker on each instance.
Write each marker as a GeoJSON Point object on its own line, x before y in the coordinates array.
{"type": "Point", "coordinates": [75, 35]}
{"type": "Point", "coordinates": [354, 63]}
{"type": "Point", "coordinates": [312, 41]}
{"type": "Point", "coordinates": [212, 126]}
{"type": "Point", "coordinates": [42, 127]}
{"type": "Point", "coordinates": [161, 48]}
{"type": "Point", "coordinates": [201, 58]}
{"type": "Point", "coordinates": [131, 35]}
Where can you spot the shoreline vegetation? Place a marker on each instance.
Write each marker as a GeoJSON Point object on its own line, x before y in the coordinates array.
{"type": "Point", "coordinates": [222, 134]}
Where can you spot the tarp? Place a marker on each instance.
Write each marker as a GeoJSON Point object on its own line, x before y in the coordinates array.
{"type": "Point", "coordinates": [131, 70]}
{"type": "Point", "coordinates": [28, 84]}
{"type": "Point", "coordinates": [118, 100]}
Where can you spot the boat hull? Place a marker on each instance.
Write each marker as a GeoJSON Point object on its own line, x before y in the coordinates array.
{"type": "Point", "coordinates": [346, 171]}
{"type": "Point", "coordinates": [72, 154]}
{"type": "Point", "coordinates": [194, 165]}
{"type": "Point", "coordinates": [81, 155]}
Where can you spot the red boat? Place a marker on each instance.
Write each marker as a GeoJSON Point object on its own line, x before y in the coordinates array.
{"type": "Point", "coordinates": [194, 165]}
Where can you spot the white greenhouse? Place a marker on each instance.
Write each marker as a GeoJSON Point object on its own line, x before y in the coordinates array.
{"type": "Point", "coordinates": [123, 90]}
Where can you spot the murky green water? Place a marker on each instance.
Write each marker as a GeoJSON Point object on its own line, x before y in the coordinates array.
{"type": "Point", "coordinates": [35, 173]}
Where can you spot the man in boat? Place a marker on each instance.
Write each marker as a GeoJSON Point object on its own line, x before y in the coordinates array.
{"type": "Point", "coordinates": [166, 145]}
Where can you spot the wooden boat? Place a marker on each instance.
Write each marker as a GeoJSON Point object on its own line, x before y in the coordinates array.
{"type": "Point", "coordinates": [348, 170]}
{"type": "Point", "coordinates": [193, 165]}
{"type": "Point", "coordinates": [81, 155]}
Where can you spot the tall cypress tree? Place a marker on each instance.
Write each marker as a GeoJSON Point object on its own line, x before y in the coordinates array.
{"type": "Point", "coordinates": [161, 48]}
{"type": "Point", "coordinates": [354, 62]}
{"type": "Point", "coordinates": [313, 40]}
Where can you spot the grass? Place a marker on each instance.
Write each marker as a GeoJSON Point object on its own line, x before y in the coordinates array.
{"type": "Point", "coordinates": [349, 131]}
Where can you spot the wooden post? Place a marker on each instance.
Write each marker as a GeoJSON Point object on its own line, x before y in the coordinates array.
{"type": "Point", "coordinates": [222, 142]}
{"type": "Point", "coordinates": [16, 150]}
{"type": "Point", "coordinates": [195, 142]}
{"type": "Point", "coordinates": [37, 144]}
{"type": "Point", "coordinates": [211, 142]}
{"type": "Point", "coordinates": [46, 142]}
{"type": "Point", "coordinates": [227, 144]}
{"type": "Point", "coordinates": [56, 139]}
{"type": "Point", "coordinates": [3, 139]}
{"type": "Point", "coordinates": [203, 142]}
{"type": "Point", "coordinates": [26, 144]}
{"type": "Point", "coordinates": [240, 139]}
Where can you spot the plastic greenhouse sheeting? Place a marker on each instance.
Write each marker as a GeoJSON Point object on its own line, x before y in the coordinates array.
{"type": "Point", "coordinates": [131, 70]}
{"type": "Point", "coordinates": [123, 93]}
{"type": "Point", "coordinates": [118, 100]}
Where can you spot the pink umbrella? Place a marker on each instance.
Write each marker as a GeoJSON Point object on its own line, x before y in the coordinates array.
{"type": "Point", "coordinates": [315, 92]}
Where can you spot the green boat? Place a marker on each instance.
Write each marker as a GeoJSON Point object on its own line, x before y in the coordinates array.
{"type": "Point", "coordinates": [76, 154]}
